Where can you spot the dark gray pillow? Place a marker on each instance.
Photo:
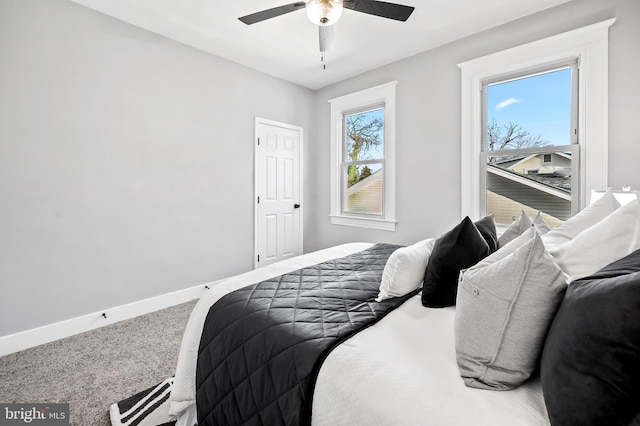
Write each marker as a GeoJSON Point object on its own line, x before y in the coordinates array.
{"type": "Point", "coordinates": [590, 368]}
{"type": "Point", "coordinates": [504, 308]}
{"type": "Point", "coordinates": [487, 228]}
{"type": "Point", "coordinates": [459, 248]}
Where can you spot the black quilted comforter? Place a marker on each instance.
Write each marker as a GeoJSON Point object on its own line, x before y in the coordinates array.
{"type": "Point", "coordinates": [262, 346]}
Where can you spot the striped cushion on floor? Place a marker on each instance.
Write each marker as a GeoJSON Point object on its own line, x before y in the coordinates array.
{"type": "Point", "coordinates": [147, 408]}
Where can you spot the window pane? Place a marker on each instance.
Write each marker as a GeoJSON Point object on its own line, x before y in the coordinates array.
{"type": "Point", "coordinates": [364, 135]}
{"type": "Point", "coordinates": [530, 112]}
{"type": "Point", "coordinates": [529, 183]}
{"type": "Point", "coordinates": [364, 188]}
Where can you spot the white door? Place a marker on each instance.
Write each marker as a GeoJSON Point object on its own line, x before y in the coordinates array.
{"type": "Point", "coordinates": [278, 183]}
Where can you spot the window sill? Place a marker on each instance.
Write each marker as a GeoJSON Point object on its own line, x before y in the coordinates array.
{"type": "Point", "coordinates": [364, 222]}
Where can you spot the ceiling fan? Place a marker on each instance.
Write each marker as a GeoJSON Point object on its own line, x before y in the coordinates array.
{"type": "Point", "coordinates": [325, 13]}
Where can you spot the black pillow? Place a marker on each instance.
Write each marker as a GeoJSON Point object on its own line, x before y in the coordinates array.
{"type": "Point", "coordinates": [458, 249]}
{"type": "Point", "coordinates": [590, 368]}
{"type": "Point", "coordinates": [487, 227]}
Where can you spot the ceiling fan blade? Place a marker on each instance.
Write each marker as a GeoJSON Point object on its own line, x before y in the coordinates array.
{"type": "Point", "coordinates": [271, 13]}
{"type": "Point", "coordinates": [399, 12]}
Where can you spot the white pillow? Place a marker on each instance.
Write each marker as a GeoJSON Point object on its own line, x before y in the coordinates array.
{"type": "Point", "coordinates": [404, 270]}
{"type": "Point", "coordinates": [589, 216]}
{"type": "Point", "coordinates": [614, 237]}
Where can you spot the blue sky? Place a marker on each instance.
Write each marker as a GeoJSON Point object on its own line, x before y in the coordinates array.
{"type": "Point", "coordinates": [540, 104]}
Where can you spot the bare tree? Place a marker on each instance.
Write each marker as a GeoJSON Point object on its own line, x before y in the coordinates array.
{"type": "Point", "coordinates": [511, 136]}
{"type": "Point", "coordinates": [363, 135]}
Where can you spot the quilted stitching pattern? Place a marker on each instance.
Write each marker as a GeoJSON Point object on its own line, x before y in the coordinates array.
{"type": "Point", "coordinates": [262, 345]}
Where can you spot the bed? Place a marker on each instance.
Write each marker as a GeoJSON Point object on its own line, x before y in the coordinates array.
{"type": "Point", "coordinates": [405, 368]}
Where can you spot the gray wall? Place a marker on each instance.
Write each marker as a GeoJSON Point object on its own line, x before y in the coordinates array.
{"type": "Point", "coordinates": [428, 119]}
{"type": "Point", "coordinates": [126, 162]}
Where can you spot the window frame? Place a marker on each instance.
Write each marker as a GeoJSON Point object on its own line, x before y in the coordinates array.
{"type": "Point", "coordinates": [344, 164]}
{"type": "Point", "coordinates": [573, 148]}
{"type": "Point", "coordinates": [383, 95]}
{"type": "Point", "coordinates": [589, 46]}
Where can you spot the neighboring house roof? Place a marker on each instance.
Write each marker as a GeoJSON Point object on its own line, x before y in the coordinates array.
{"type": "Point", "coordinates": [506, 162]}
{"type": "Point", "coordinates": [556, 183]}
{"type": "Point", "coordinates": [553, 180]}
{"type": "Point", "coordinates": [566, 155]}
{"type": "Point", "coordinates": [365, 183]}
{"type": "Point", "coordinates": [553, 184]}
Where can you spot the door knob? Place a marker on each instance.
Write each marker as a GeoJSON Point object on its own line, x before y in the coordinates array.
{"type": "Point", "coordinates": [296, 206]}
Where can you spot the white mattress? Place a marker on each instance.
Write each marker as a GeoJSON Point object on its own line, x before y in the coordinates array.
{"type": "Point", "coordinates": [400, 371]}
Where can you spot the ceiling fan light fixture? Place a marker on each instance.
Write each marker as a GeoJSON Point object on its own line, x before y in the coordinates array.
{"type": "Point", "coordinates": [324, 12]}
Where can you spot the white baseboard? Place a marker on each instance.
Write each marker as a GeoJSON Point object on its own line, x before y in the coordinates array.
{"type": "Point", "coordinates": [48, 333]}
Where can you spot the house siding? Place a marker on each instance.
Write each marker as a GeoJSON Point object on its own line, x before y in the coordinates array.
{"type": "Point", "coordinates": [368, 199]}
{"type": "Point", "coordinates": [536, 162]}
{"type": "Point", "coordinates": [506, 198]}
{"type": "Point", "coordinates": [506, 210]}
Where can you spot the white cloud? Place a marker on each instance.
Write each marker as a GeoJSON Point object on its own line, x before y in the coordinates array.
{"type": "Point", "coordinates": [506, 103]}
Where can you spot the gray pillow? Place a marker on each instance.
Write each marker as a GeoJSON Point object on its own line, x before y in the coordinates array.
{"type": "Point", "coordinates": [516, 229]}
{"type": "Point", "coordinates": [540, 223]}
{"type": "Point", "coordinates": [505, 305]}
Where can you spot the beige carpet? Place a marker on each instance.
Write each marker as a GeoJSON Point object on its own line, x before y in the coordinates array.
{"type": "Point", "coordinates": [92, 370]}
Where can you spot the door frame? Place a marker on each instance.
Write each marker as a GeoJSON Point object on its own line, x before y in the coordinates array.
{"type": "Point", "coordinates": [300, 130]}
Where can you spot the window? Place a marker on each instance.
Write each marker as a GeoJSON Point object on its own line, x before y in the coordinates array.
{"type": "Point", "coordinates": [363, 162]}
{"type": "Point", "coordinates": [580, 56]}
{"type": "Point", "coordinates": [363, 158]}
{"type": "Point", "coordinates": [529, 152]}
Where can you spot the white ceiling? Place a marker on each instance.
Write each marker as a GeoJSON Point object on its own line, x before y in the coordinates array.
{"type": "Point", "coordinates": [287, 46]}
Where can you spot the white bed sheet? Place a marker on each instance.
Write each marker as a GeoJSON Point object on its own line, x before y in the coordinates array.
{"type": "Point", "coordinates": [401, 371]}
